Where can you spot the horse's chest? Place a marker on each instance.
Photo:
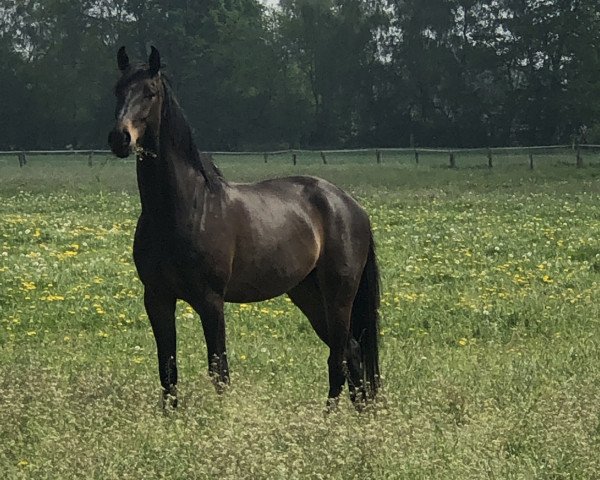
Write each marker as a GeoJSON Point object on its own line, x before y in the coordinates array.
{"type": "Point", "coordinates": [171, 263]}
{"type": "Point", "coordinates": [161, 261]}
{"type": "Point", "coordinates": [157, 262]}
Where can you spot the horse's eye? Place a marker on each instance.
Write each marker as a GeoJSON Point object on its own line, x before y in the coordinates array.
{"type": "Point", "coordinates": [150, 95]}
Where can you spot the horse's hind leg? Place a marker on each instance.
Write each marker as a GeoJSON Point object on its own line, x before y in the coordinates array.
{"type": "Point", "coordinates": [309, 299]}
{"type": "Point", "coordinates": [339, 291]}
{"type": "Point", "coordinates": [344, 359]}
{"type": "Point", "coordinates": [161, 312]}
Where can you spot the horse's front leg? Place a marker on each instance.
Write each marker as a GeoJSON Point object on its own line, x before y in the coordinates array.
{"type": "Point", "coordinates": [210, 308]}
{"type": "Point", "coordinates": [160, 308]}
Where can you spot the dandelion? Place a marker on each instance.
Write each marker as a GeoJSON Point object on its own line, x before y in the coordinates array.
{"type": "Point", "coordinates": [102, 334]}
{"type": "Point", "coordinates": [242, 357]}
{"type": "Point", "coordinates": [22, 463]}
{"type": "Point", "coordinates": [547, 279]}
{"type": "Point", "coordinates": [53, 298]}
{"type": "Point", "coordinates": [462, 342]}
{"type": "Point", "coordinates": [28, 286]}
{"type": "Point", "coordinates": [31, 333]}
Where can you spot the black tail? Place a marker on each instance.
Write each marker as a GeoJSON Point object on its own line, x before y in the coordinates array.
{"type": "Point", "coordinates": [365, 322]}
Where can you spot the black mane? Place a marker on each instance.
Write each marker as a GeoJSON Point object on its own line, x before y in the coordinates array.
{"type": "Point", "coordinates": [176, 130]}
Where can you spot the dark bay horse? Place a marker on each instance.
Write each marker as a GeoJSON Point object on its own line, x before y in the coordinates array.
{"type": "Point", "coordinates": [207, 241]}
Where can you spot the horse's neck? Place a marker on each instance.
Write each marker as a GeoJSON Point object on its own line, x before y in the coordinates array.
{"type": "Point", "coordinates": [169, 187]}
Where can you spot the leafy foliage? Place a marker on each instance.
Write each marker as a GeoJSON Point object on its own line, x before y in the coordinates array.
{"type": "Point", "coordinates": [310, 73]}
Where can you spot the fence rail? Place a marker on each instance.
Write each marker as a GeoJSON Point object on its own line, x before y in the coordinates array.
{"type": "Point", "coordinates": [378, 153]}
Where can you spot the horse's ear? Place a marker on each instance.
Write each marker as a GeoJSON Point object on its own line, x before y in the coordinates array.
{"type": "Point", "coordinates": [122, 59]}
{"type": "Point", "coordinates": [154, 61]}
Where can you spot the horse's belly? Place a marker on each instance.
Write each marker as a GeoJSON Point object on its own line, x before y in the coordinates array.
{"type": "Point", "coordinates": [239, 293]}
{"type": "Point", "coordinates": [268, 277]}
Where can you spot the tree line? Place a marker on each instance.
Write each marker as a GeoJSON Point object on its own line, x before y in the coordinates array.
{"type": "Point", "coordinates": [310, 73]}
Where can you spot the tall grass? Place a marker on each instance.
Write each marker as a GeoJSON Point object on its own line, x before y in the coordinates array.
{"type": "Point", "coordinates": [490, 335]}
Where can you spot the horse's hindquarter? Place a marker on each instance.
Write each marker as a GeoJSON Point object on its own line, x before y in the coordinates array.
{"type": "Point", "coordinates": [279, 235]}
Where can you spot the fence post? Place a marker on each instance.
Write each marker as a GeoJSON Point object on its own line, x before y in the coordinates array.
{"type": "Point", "coordinates": [294, 158]}
{"type": "Point", "coordinates": [579, 158]}
{"type": "Point", "coordinates": [265, 156]}
{"type": "Point", "coordinates": [324, 158]}
{"type": "Point", "coordinates": [530, 160]}
{"type": "Point", "coordinates": [416, 156]}
{"type": "Point", "coordinates": [90, 157]}
{"type": "Point", "coordinates": [490, 161]}
{"type": "Point", "coordinates": [22, 159]}
{"type": "Point", "coordinates": [452, 160]}
{"type": "Point", "coordinates": [378, 154]}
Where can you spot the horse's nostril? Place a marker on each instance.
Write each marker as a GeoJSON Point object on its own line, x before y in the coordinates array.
{"type": "Point", "coordinates": [126, 136]}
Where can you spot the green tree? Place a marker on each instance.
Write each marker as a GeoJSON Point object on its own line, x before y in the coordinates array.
{"type": "Point", "coordinates": [333, 43]}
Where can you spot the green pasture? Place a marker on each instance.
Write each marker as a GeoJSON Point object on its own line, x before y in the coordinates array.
{"type": "Point", "coordinates": [490, 332]}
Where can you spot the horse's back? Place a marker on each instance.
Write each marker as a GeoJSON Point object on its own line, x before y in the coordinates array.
{"type": "Point", "coordinates": [307, 191]}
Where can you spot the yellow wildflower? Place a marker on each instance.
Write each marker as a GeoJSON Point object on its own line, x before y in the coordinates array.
{"type": "Point", "coordinates": [28, 285]}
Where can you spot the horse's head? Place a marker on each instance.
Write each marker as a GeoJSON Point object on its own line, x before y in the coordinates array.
{"type": "Point", "coordinates": [139, 95]}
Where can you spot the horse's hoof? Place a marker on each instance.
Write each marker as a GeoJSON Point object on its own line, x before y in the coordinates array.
{"type": "Point", "coordinates": [332, 405]}
{"type": "Point", "coordinates": [220, 384]}
{"type": "Point", "coordinates": [359, 400]}
{"type": "Point", "coordinates": [169, 398]}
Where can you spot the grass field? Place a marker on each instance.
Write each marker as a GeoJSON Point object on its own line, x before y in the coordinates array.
{"type": "Point", "coordinates": [490, 334]}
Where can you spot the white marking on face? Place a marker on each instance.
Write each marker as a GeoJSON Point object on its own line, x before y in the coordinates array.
{"type": "Point", "coordinates": [125, 106]}
{"type": "Point", "coordinates": [129, 112]}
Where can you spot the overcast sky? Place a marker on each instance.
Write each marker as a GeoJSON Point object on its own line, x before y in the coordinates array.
{"type": "Point", "coordinates": [270, 3]}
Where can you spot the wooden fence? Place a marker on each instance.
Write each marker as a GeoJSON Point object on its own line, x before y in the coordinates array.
{"type": "Point", "coordinates": [378, 154]}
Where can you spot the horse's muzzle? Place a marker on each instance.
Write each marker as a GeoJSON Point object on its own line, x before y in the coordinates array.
{"type": "Point", "coordinates": [120, 142]}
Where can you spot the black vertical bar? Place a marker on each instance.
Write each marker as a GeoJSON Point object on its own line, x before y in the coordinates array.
{"type": "Point", "coordinates": [530, 160]}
